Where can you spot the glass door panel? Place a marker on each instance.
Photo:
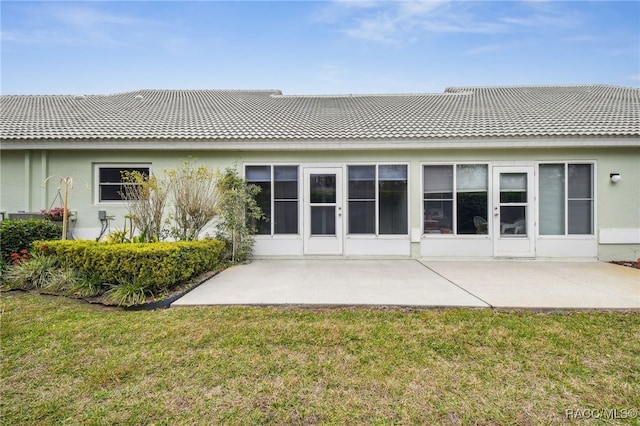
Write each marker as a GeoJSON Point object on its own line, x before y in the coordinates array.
{"type": "Point", "coordinates": [322, 198]}
{"type": "Point", "coordinates": [512, 211]}
{"type": "Point", "coordinates": [513, 220]}
{"type": "Point", "coordinates": [323, 220]}
{"type": "Point", "coordinates": [323, 188]}
{"type": "Point", "coordinates": [513, 204]}
{"type": "Point", "coordinates": [323, 210]}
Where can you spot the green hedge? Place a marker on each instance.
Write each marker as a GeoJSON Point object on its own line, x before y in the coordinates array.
{"type": "Point", "coordinates": [154, 266]}
{"type": "Point", "coordinates": [16, 235]}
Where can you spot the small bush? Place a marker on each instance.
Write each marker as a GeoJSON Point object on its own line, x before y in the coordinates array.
{"type": "Point", "coordinates": [238, 212]}
{"type": "Point", "coordinates": [18, 258]}
{"type": "Point", "coordinates": [17, 235]}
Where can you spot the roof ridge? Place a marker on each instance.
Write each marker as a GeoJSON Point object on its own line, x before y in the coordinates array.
{"type": "Point", "coordinates": [365, 95]}
{"type": "Point", "coordinates": [276, 93]}
{"type": "Point", "coordinates": [139, 91]}
{"type": "Point", "coordinates": [454, 89]}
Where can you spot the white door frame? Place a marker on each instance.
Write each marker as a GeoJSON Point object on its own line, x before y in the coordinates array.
{"type": "Point", "coordinates": [328, 241]}
{"type": "Point", "coordinates": [513, 235]}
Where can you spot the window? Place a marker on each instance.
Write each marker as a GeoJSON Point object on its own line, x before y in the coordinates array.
{"type": "Point", "coordinates": [392, 190]}
{"type": "Point", "coordinates": [566, 199]}
{"type": "Point", "coordinates": [471, 199]}
{"type": "Point", "coordinates": [455, 199]}
{"type": "Point", "coordinates": [278, 198]}
{"type": "Point", "coordinates": [285, 199]}
{"type": "Point", "coordinates": [378, 199]}
{"type": "Point", "coordinates": [362, 199]}
{"type": "Point", "coordinates": [261, 177]}
{"type": "Point", "coordinates": [110, 183]}
{"type": "Point", "coordinates": [552, 199]}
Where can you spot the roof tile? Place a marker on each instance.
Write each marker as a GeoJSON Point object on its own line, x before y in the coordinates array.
{"type": "Point", "coordinates": [459, 112]}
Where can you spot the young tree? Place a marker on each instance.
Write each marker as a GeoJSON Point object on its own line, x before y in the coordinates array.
{"type": "Point", "coordinates": [146, 198]}
{"type": "Point", "coordinates": [238, 211]}
{"type": "Point", "coordinates": [195, 196]}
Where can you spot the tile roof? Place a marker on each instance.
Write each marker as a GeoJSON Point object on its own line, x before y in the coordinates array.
{"type": "Point", "coordinates": [459, 113]}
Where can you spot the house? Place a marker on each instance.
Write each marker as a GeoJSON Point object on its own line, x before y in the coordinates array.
{"type": "Point", "coordinates": [474, 172]}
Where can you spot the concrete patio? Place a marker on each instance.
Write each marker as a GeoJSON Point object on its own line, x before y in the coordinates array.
{"type": "Point", "coordinates": [503, 284]}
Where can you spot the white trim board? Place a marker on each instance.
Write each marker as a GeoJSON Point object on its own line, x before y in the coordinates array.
{"type": "Point", "coordinates": [314, 145]}
{"type": "Point", "coordinates": [620, 236]}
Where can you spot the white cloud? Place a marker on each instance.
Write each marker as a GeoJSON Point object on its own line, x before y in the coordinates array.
{"type": "Point", "coordinates": [543, 21]}
{"type": "Point", "coordinates": [75, 24]}
{"type": "Point", "coordinates": [396, 22]}
{"type": "Point", "coordinates": [380, 28]}
{"type": "Point", "coordinates": [335, 10]}
{"type": "Point", "coordinates": [89, 17]}
{"type": "Point", "coordinates": [583, 39]}
{"type": "Point", "coordinates": [418, 8]}
{"type": "Point", "coordinates": [388, 22]}
{"type": "Point", "coordinates": [485, 49]}
{"type": "Point", "coordinates": [47, 37]}
{"type": "Point", "coordinates": [331, 73]}
{"type": "Point", "coordinates": [356, 4]}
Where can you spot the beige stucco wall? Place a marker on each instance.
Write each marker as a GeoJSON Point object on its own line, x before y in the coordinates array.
{"type": "Point", "coordinates": [81, 165]}
{"type": "Point", "coordinates": [12, 181]}
{"type": "Point", "coordinates": [618, 205]}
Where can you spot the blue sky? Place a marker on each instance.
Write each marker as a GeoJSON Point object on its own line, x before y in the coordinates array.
{"type": "Point", "coordinates": [315, 47]}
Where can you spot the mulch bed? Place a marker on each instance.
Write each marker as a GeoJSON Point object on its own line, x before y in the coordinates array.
{"type": "Point", "coordinates": [629, 264]}
{"type": "Point", "coordinates": [159, 303]}
{"type": "Point", "coordinates": [176, 294]}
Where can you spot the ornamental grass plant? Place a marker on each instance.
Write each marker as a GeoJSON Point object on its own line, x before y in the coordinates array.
{"type": "Point", "coordinates": [36, 272]}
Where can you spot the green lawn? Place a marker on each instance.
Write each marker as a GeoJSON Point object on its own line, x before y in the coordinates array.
{"type": "Point", "coordinates": [66, 362]}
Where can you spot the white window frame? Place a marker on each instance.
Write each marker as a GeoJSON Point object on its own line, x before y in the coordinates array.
{"type": "Point", "coordinates": [97, 184]}
{"type": "Point", "coordinates": [594, 210]}
{"type": "Point", "coordinates": [377, 199]}
{"type": "Point", "coordinates": [454, 200]}
{"type": "Point", "coordinates": [271, 166]}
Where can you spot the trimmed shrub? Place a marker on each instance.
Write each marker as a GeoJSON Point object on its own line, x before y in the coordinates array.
{"type": "Point", "coordinates": [150, 268]}
{"type": "Point", "coordinates": [17, 235]}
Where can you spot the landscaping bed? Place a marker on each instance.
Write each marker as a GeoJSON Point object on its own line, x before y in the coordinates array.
{"type": "Point", "coordinates": [156, 257]}
{"type": "Point", "coordinates": [160, 302]}
{"type": "Point", "coordinates": [132, 275]}
{"type": "Point", "coordinates": [629, 264]}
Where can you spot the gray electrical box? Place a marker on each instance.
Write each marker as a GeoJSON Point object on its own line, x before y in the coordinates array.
{"type": "Point", "coordinates": [102, 214]}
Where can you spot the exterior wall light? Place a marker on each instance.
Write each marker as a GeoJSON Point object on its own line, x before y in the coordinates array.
{"type": "Point", "coordinates": [615, 177]}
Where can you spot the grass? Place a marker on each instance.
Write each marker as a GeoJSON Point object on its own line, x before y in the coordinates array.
{"type": "Point", "coordinates": [66, 362]}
